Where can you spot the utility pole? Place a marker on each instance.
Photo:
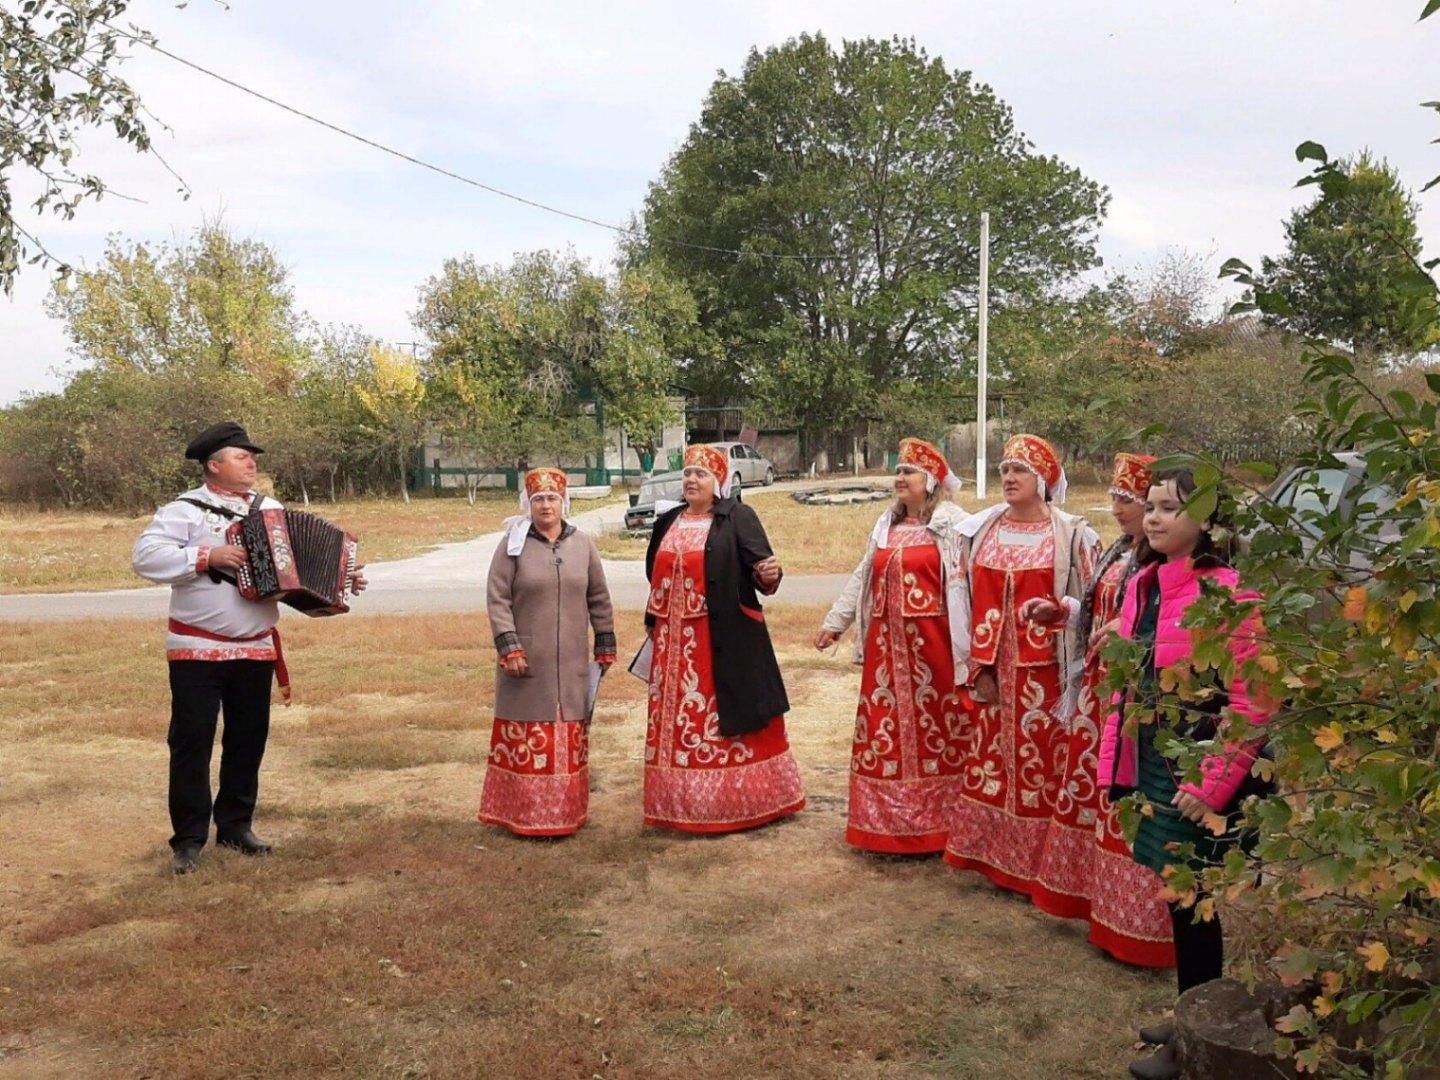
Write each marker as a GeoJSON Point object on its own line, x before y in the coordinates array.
{"type": "Point", "coordinates": [982, 372]}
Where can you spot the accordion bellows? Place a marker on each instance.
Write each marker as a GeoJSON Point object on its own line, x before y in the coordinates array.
{"type": "Point", "coordinates": [295, 557]}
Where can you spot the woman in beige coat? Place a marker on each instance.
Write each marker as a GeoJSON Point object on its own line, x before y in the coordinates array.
{"type": "Point", "coordinates": [546, 592]}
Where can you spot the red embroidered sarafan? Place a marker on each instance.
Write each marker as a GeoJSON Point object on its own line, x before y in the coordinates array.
{"type": "Point", "coordinates": [907, 754]}
{"type": "Point", "coordinates": [1010, 779]}
{"type": "Point", "coordinates": [537, 781]}
{"type": "Point", "coordinates": [1086, 869]}
{"type": "Point", "coordinates": [697, 780]}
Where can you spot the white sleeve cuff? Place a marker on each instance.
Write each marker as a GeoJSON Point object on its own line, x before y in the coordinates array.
{"type": "Point", "coordinates": [1072, 611]}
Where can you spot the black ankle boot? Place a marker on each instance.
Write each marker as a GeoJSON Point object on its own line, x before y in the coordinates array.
{"type": "Point", "coordinates": [244, 841]}
{"type": "Point", "coordinates": [1164, 1064]}
{"type": "Point", "coordinates": [1158, 1033]}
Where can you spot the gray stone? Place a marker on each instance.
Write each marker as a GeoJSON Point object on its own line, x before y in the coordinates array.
{"type": "Point", "coordinates": [1223, 1032]}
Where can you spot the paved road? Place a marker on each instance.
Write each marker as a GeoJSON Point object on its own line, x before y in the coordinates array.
{"type": "Point", "coordinates": [450, 578]}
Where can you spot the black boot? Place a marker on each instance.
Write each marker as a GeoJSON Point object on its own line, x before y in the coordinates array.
{"type": "Point", "coordinates": [185, 860]}
{"type": "Point", "coordinates": [1158, 1033]}
{"type": "Point", "coordinates": [244, 841]}
{"type": "Point", "coordinates": [1164, 1064]}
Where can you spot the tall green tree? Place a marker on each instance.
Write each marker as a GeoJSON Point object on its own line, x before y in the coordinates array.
{"type": "Point", "coordinates": [523, 354]}
{"type": "Point", "coordinates": [1342, 277]}
{"type": "Point", "coordinates": [213, 303]}
{"type": "Point", "coordinates": [853, 180]}
{"type": "Point", "coordinates": [59, 64]}
{"type": "Point", "coordinates": [517, 344]}
{"type": "Point", "coordinates": [652, 320]}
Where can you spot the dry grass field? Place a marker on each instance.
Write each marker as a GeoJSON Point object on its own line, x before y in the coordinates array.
{"type": "Point", "coordinates": [831, 539]}
{"type": "Point", "coordinates": [56, 551]}
{"type": "Point", "coordinates": [392, 936]}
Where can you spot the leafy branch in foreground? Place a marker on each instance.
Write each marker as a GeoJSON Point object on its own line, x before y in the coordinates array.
{"type": "Point", "coordinates": [59, 62]}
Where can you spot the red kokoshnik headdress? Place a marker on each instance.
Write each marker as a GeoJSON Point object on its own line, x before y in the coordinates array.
{"type": "Point", "coordinates": [714, 461]}
{"type": "Point", "coordinates": [919, 454]}
{"type": "Point", "coordinates": [1036, 455]}
{"type": "Point", "coordinates": [1131, 479]}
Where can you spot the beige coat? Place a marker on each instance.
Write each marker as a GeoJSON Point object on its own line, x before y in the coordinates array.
{"type": "Point", "coordinates": [546, 600]}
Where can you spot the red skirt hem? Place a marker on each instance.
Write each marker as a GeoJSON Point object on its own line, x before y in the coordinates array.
{"type": "Point", "coordinates": [1058, 904]}
{"type": "Point", "coordinates": [1128, 950]}
{"type": "Point", "coordinates": [881, 844]}
{"type": "Point", "coordinates": [521, 830]}
{"type": "Point", "coordinates": [996, 876]}
{"type": "Point", "coordinates": [1052, 903]}
{"type": "Point", "coordinates": [712, 828]}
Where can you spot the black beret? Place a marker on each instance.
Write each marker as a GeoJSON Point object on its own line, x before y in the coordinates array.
{"type": "Point", "coordinates": [218, 437]}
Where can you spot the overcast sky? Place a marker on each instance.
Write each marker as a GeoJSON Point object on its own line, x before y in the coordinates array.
{"type": "Point", "coordinates": [1189, 113]}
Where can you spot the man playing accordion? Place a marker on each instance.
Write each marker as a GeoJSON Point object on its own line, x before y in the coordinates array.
{"type": "Point", "coordinates": [223, 650]}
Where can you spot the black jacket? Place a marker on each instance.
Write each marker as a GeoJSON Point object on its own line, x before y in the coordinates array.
{"type": "Point", "coordinates": [749, 691]}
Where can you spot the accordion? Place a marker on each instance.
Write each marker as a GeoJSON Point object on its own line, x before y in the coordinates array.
{"type": "Point", "coordinates": [296, 558]}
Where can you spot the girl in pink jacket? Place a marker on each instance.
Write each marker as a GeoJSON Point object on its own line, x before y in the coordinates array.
{"type": "Point", "coordinates": [1176, 555]}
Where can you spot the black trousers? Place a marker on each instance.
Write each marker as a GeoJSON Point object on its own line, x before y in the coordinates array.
{"type": "Point", "coordinates": [199, 689]}
{"type": "Point", "coordinates": [1199, 948]}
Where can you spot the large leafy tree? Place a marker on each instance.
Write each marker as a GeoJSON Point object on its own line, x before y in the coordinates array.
{"type": "Point", "coordinates": [59, 62]}
{"type": "Point", "coordinates": [852, 179]}
{"type": "Point", "coordinates": [651, 321]}
{"type": "Point", "coordinates": [393, 397]}
{"type": "Point", "coordinates": [522, 353]}
{"type": "Point", "coordinates": [214, 303]}
{"type": "Point", "coordinates": [1343, 276]}
{"type": "Point", "coordinates": [512, 348]}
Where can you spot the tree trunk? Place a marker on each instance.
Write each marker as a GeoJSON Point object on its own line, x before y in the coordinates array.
{"type": "Point", "coordinates": [404, 489]}
{"type": "Point", "coordinates": [304, 492]}
{"type": "Point", "coordinates": [333, 471]}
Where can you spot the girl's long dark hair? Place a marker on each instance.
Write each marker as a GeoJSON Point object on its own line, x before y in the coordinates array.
{"type": "Point", "coordinates": [1216, 545]}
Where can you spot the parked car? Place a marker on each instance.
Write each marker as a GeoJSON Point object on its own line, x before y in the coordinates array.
{"type": "Point", "coordinates": [664, 488]}
{"type": "Point", "coordinates": [748, 463]}
{"type": "Point", "coordinates": [658, 487]}
{"type": "Point", "coordinates": [1305, 491]}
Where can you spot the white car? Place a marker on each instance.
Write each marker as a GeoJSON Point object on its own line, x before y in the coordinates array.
{"type": "Point", "coordinates": [666, 487]}
{"type": "Point", "coordinates": [748, 463]}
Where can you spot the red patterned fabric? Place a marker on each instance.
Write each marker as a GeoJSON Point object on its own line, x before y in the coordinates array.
{"type": "Point", "coordinates": [906, 758]}
{"type": "Point", "coordinates": [1086, 869]}
{"type": "Point", "coordinates": [697, 780]}
{"type": "Point", "coordinates": [1010, 778]}
{"type": "Point", "coordinates": [537, 782]}
{"type": "Point", "coordinates": [919, 454]}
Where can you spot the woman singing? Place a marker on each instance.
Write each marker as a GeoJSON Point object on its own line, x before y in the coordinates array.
{"type": "Point", "coordinates": [716, 756]}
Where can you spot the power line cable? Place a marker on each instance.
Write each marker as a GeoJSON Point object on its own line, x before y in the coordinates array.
{"type": "Point", "coordinates": [451, 174]}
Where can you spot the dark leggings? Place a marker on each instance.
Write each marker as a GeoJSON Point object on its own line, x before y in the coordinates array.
{"type": "Point", "coordinates": [1199, 947]}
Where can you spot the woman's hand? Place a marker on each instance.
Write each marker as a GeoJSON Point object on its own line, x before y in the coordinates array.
{"type": "Point", "coordinates": [1191, 807]}
{"type": "Point", "coordinates": [516, 665]}
{"type": "Point", "coordinates": [986, 691]}
{"type": "Point", "coordinates": [1098, 637]}
{"type": "Point", "coordinates": [825, 638]}
{"type": "Point", "coordinates": [1038, 610]}
{"type": "Point", "coordinates": [767, 572]}
{"type": "Point", "coordinates": [357, 579]}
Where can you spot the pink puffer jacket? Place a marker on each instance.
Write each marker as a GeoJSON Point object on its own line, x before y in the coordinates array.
{"type": "Point", "coordinates": [1179, 585]}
